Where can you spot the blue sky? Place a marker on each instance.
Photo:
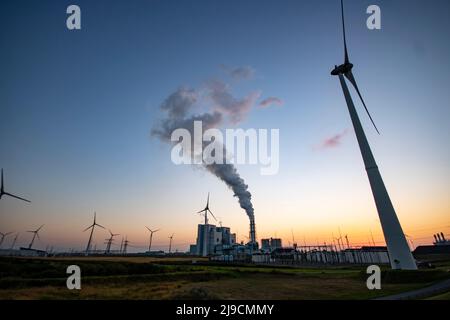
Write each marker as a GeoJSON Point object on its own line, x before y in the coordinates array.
{"type": "Point", "coordinates": [77, 108]}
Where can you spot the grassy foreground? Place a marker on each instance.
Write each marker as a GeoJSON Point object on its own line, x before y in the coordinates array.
{"type": "Point", "coordinates": [161, 278]}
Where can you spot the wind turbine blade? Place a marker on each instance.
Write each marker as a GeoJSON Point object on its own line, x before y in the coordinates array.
{"type": "Point", "coordinates": [212, 214]}
{"type": "Point", "coordinates": [88, 228]}
{"type": "Point", "coordinates": [100, 226]}
{"type": "Point", "coordinates": [2, 182]}
{"type": "Point", "coordinates": [351, 78]}
{"type": "Point", "coordinates": [11, 195]}
{"type": "Point", "coordinates": [202, 211]}
{"type": "Point", "coordinates": [148, 229]}
{"type": "Point", "coordinates": [39, 228]}
{"type": "Point", "coordinates": [343, 31]}
{"type": "Point", "coordinates": [37, 235]}
{"type": "Point", "coordinates": [207, 201]}
{"type": "Point", "coordinates": [156, 230]}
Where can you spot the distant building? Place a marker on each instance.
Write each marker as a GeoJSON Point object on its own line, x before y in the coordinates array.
{"type": "Point", "coordinates": [269, 245]}
{"type": "Point", "coordinates": [275, 243]}
{"type": "Point", "coordinates": [23, 252]}
{"type": "Point", "coordinates": [439, 240]}
{"type": "Point", "coordinates": [440, 246]}
{"type": "Point", "coordinates": [212, 240]}
{"type": "Point", "coordinates": [422, 250]}
{"type": "Point", "coordinates": [265, 245]}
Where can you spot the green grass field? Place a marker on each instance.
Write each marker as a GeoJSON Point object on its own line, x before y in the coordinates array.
{"type": "Point", "coordinates": [179, 278]}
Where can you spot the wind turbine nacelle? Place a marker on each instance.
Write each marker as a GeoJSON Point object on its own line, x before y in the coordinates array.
{"type": "Point", "coordinates": [342, 69]}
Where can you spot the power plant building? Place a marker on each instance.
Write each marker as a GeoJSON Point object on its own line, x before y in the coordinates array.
{"type": "Point", "coordinates": [268, 245]}
{"type": "Point", "coordinates": [212, 240]}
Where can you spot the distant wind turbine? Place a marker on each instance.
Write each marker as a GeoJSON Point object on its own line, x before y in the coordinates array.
{"type": "Point", "coordinates": [35, 233]}
{"type": "Point", "coordinates": [205, 230]}
{"type": "Point", "coordinates": [399, 251]}
{"type": "Point", "coordinates": [92, 226]}
{"type": "Point", "coordinates": [206, 210]}
{"type": "Point", "coordinates": [170, 243]}
{"type": "Point", "coordinates": [3, 193]}
{"type": "Point", "coordinates": [125, 245]}
{"type": "Point", "coordinates": [109, 241]}
{"type": "Point", "coordinates": [3, 236]}
{"type": "Point", "coordinates": [151, 237]}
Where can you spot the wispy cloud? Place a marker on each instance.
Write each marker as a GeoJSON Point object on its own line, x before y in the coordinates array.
{"type": "Point", "coordinates": [333, 141]}
{"type": "Point", "coordinates": [214, 103]}
{"type": "Point", "coordinates": [270, 101]}
{"type": "Point", "coordinates": [239, 73]}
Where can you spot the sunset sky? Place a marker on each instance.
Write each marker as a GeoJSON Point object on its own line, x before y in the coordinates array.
{"type": "Point", "coordinates": [78, 107]}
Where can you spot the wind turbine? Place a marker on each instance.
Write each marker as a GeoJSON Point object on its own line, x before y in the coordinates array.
{"type": "Point", "coordinates": [205, 229]}
{"type": "Point", "coordinates": [338, 241]}
{"type": "Point", "coordinates": [92, 226]}
{"type": "Point", "coordinates": [151, 237]}
{"type": "Point", "coordinates": [121, 245]}
{"type": "Point", "coordinates": [125, 245]}
{"type": "Point", "coordinates": [399, 252]}
{"type": "Point", "coordinates": [109, 241]}
{"type": "Point", "coordinates": [3, 236]}
{"type": "Point", "coordinates": [293, 239]}
{"type": "Point", "coordinates": [170, 243]}
{"type": "Point", "coordinates": [2, 192]}
{"type": "Point", "coordinates": [346, 240]}
{"type": "Point", "coordinates": [35, 233]}
{"type": "Point", "coordinates": [206, 210]}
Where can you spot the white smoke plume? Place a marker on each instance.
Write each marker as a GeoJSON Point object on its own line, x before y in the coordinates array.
{"type": "Point", "coordinates": [224, 107]}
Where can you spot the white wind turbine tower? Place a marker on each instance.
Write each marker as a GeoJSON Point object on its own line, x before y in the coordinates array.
{"type": "Point", "coordinates": [399, 252]}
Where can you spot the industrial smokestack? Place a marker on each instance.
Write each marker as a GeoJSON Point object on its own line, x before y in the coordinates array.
{"type": "Point", "coordinates": [443, 238]}
{"type": "Point", "coordinates": [252, 231]}
{"type": "Point", "coordinates": [435, 238]}
{"type": "Point", "coordinates": [439, 237]}
{"type": "Point", "coordinates": [228, 174]}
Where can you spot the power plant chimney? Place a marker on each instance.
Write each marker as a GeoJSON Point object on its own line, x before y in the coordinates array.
{"type": "Point", "coordinates": [443, 238]}
{"type": "Point", "coordinates": [439, 237]}
{"type": "Point", "coordinates": [252, 232]}
{"type": "Point", "coordinates": [435, 238]}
